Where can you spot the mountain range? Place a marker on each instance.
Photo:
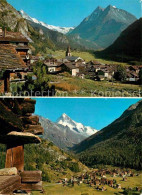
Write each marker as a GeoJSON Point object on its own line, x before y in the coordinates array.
{"type": "Point", "coordinates": [104, 26]}
{"type": "Point", "coordinates": [63, 30]}
{"type": "Point", "coordinates": [41, 38]}
{"type": "Point", "coordinates": [128, 45]}
{"type": "Point", "coordinates": [99, 30]}
{"type": "Point", "coordinates": [117, 144]}
{"type": "Point", "coordinates": [65, 133]}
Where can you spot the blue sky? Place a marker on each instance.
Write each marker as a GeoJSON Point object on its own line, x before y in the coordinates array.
{"type": "Point", "coordinates": [96, 113]}
{"type": "Point", "coordinates": [70, 12]}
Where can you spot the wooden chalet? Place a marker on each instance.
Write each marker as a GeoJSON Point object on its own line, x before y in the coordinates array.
{"type": "Point", "coordinates": [11, 64]}
{"type": "Point", "coordinates": [53, 66]}
{"type": "Point", "coordinates": [17, 39]}
{"type": "Point", "coordinates": [69, 67]}
{"type": "Point", "coordinates": [18, 127]}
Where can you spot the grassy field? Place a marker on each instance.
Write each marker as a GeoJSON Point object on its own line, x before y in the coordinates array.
{"type": "Point", "coordinates": [74, 86]}
{"type": "Point", "coordinates": [87, 56]}
{"type": "Point", "coordinates": [84, 189]}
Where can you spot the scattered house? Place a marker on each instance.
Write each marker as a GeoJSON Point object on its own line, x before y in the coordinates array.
{"type": "Point", "coordinates": [12, 65]}
{"type": "Point", "coordinates": [132, 73]}
{"type": "Point", "coordinates": [118, 186]}
{"type": "Point", "coordinates": [18, 40]}
{"type": "Point", "coordinates": [53, 66]}
{"type": "Point", "coordinates": [34, 59]}
{"type": "Point", "coordinates": [72, 69]}
{"type": "Point", "coordinates": [132, 77]}
{"type": "Point", "coordinates": [124, 178]}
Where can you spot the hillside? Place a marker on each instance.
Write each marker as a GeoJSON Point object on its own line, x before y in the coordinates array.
{"type": "Point", "coordinates": [117, 144]}
{"type": "Point", "coordinates": [52, 161]}
{"type": "Point", "coordinates": [104, 26]}
{"type": "Point", "coordinates": [128, 46]}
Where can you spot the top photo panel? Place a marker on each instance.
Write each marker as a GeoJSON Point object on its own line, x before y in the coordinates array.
{"type": "Point", "coordinates": [71, 48]}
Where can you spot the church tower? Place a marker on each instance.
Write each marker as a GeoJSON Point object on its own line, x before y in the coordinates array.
{"type": "Point", "coordinates": [68, 52]}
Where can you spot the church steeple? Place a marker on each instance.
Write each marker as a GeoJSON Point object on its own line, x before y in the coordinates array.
{"type": "Point", "coordinates": [68, 52]}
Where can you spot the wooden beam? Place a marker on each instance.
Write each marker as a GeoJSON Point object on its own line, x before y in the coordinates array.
{"type": "Point", "coordinates": [19, 138]}
{"type": "Point", "coordinates": [8, 184]}
{"type": "Point", "coordinates": [15, 157]}
{"type": "Point", "coordinates": [7, 82]}
{"type": "Point", "coordinates": [32, 186]}
{"type": "Point", "coordinates": [35, 129]}
{"type": "Point", "coordinates": [31, 176]}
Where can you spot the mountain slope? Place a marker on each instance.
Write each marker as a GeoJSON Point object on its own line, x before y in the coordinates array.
{"type": "Point", "coordinates": [65, 133]}
{"type": "Point", "coordinates": [63, 30]}
{"type": "Point", "coordinates": [41, 38]}
{"type": "Point", "coordinates": [52, 161]}
{"type": "Point", "coordinates": [60, 135]}
{"type": "Point", "coordinates": [74, 126]}
{"type": "Point", "coordinates": [128, 46]}
{"type": "Point", "coordinates": [117, 144]}
{"type": "Point", "coordinates": [103, 26]}
{"type": "Point", "coordinates": [11, 18]}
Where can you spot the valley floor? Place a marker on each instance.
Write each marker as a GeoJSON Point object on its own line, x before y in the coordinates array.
{"type": "Point", "coordinates": [85, 189]}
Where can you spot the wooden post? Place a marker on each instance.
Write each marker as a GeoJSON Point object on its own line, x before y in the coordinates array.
{"type": "Point", "coordinates": [15, 157]}
{"type": "Point", "coordinates": [7, 82]}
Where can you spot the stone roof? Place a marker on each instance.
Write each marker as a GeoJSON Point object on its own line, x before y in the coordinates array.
{"type": "Point", "coordinates": [70, 66]}
{"type": "Point", "coordinates": [13, 37]}
{"type": "Point", "coordinates": [72, 58]}
{"type": "Point", "coordinates": [9, 59]}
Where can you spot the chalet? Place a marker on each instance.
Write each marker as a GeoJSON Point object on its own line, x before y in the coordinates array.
{"type": "Point", "coordinates": [10, 64]}
{"type": "Point", "coordinates": [53, 66]}
{"type": "Point", "coordinates": [72, 69]}
{"type": "Point", "coordinates": [16, 113]}
{"type": "Point", "coordinates": [20, 42]}
{"type": "Point", "coordinates": [132, 77]}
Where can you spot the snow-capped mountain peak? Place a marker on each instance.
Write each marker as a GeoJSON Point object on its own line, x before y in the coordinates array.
{"type": "Point", "coordinates": [65, 120]}
{"type": "Point", "coordinates": [63, 30]}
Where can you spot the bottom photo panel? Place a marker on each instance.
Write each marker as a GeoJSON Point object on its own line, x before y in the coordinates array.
{"type": "Point", "coordinates": [71, 146]}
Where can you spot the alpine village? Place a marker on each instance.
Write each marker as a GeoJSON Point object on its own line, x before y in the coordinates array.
{"type": "Point", "coordinates": [38, 61]}
{"type": "Point", "coordinates": [40, 156]}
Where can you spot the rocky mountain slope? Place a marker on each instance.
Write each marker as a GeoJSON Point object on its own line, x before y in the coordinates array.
{"type": "Point", "coordinates": [63, 30]}
{"type": "Point", "coordinates": [61, 136]}
{"type": "Point", "coordinates": [104, 26]}
{"type": "Point", "coordinates": [41, 38]}
{"type": "Point", "coordinates": [117, 144]}
{"type": "Point", "coordinates": [11, 18]}
{"type": "Point", "coordinates": [128, 46]}
{"type": "Point", "coordinates": [65, 133]}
